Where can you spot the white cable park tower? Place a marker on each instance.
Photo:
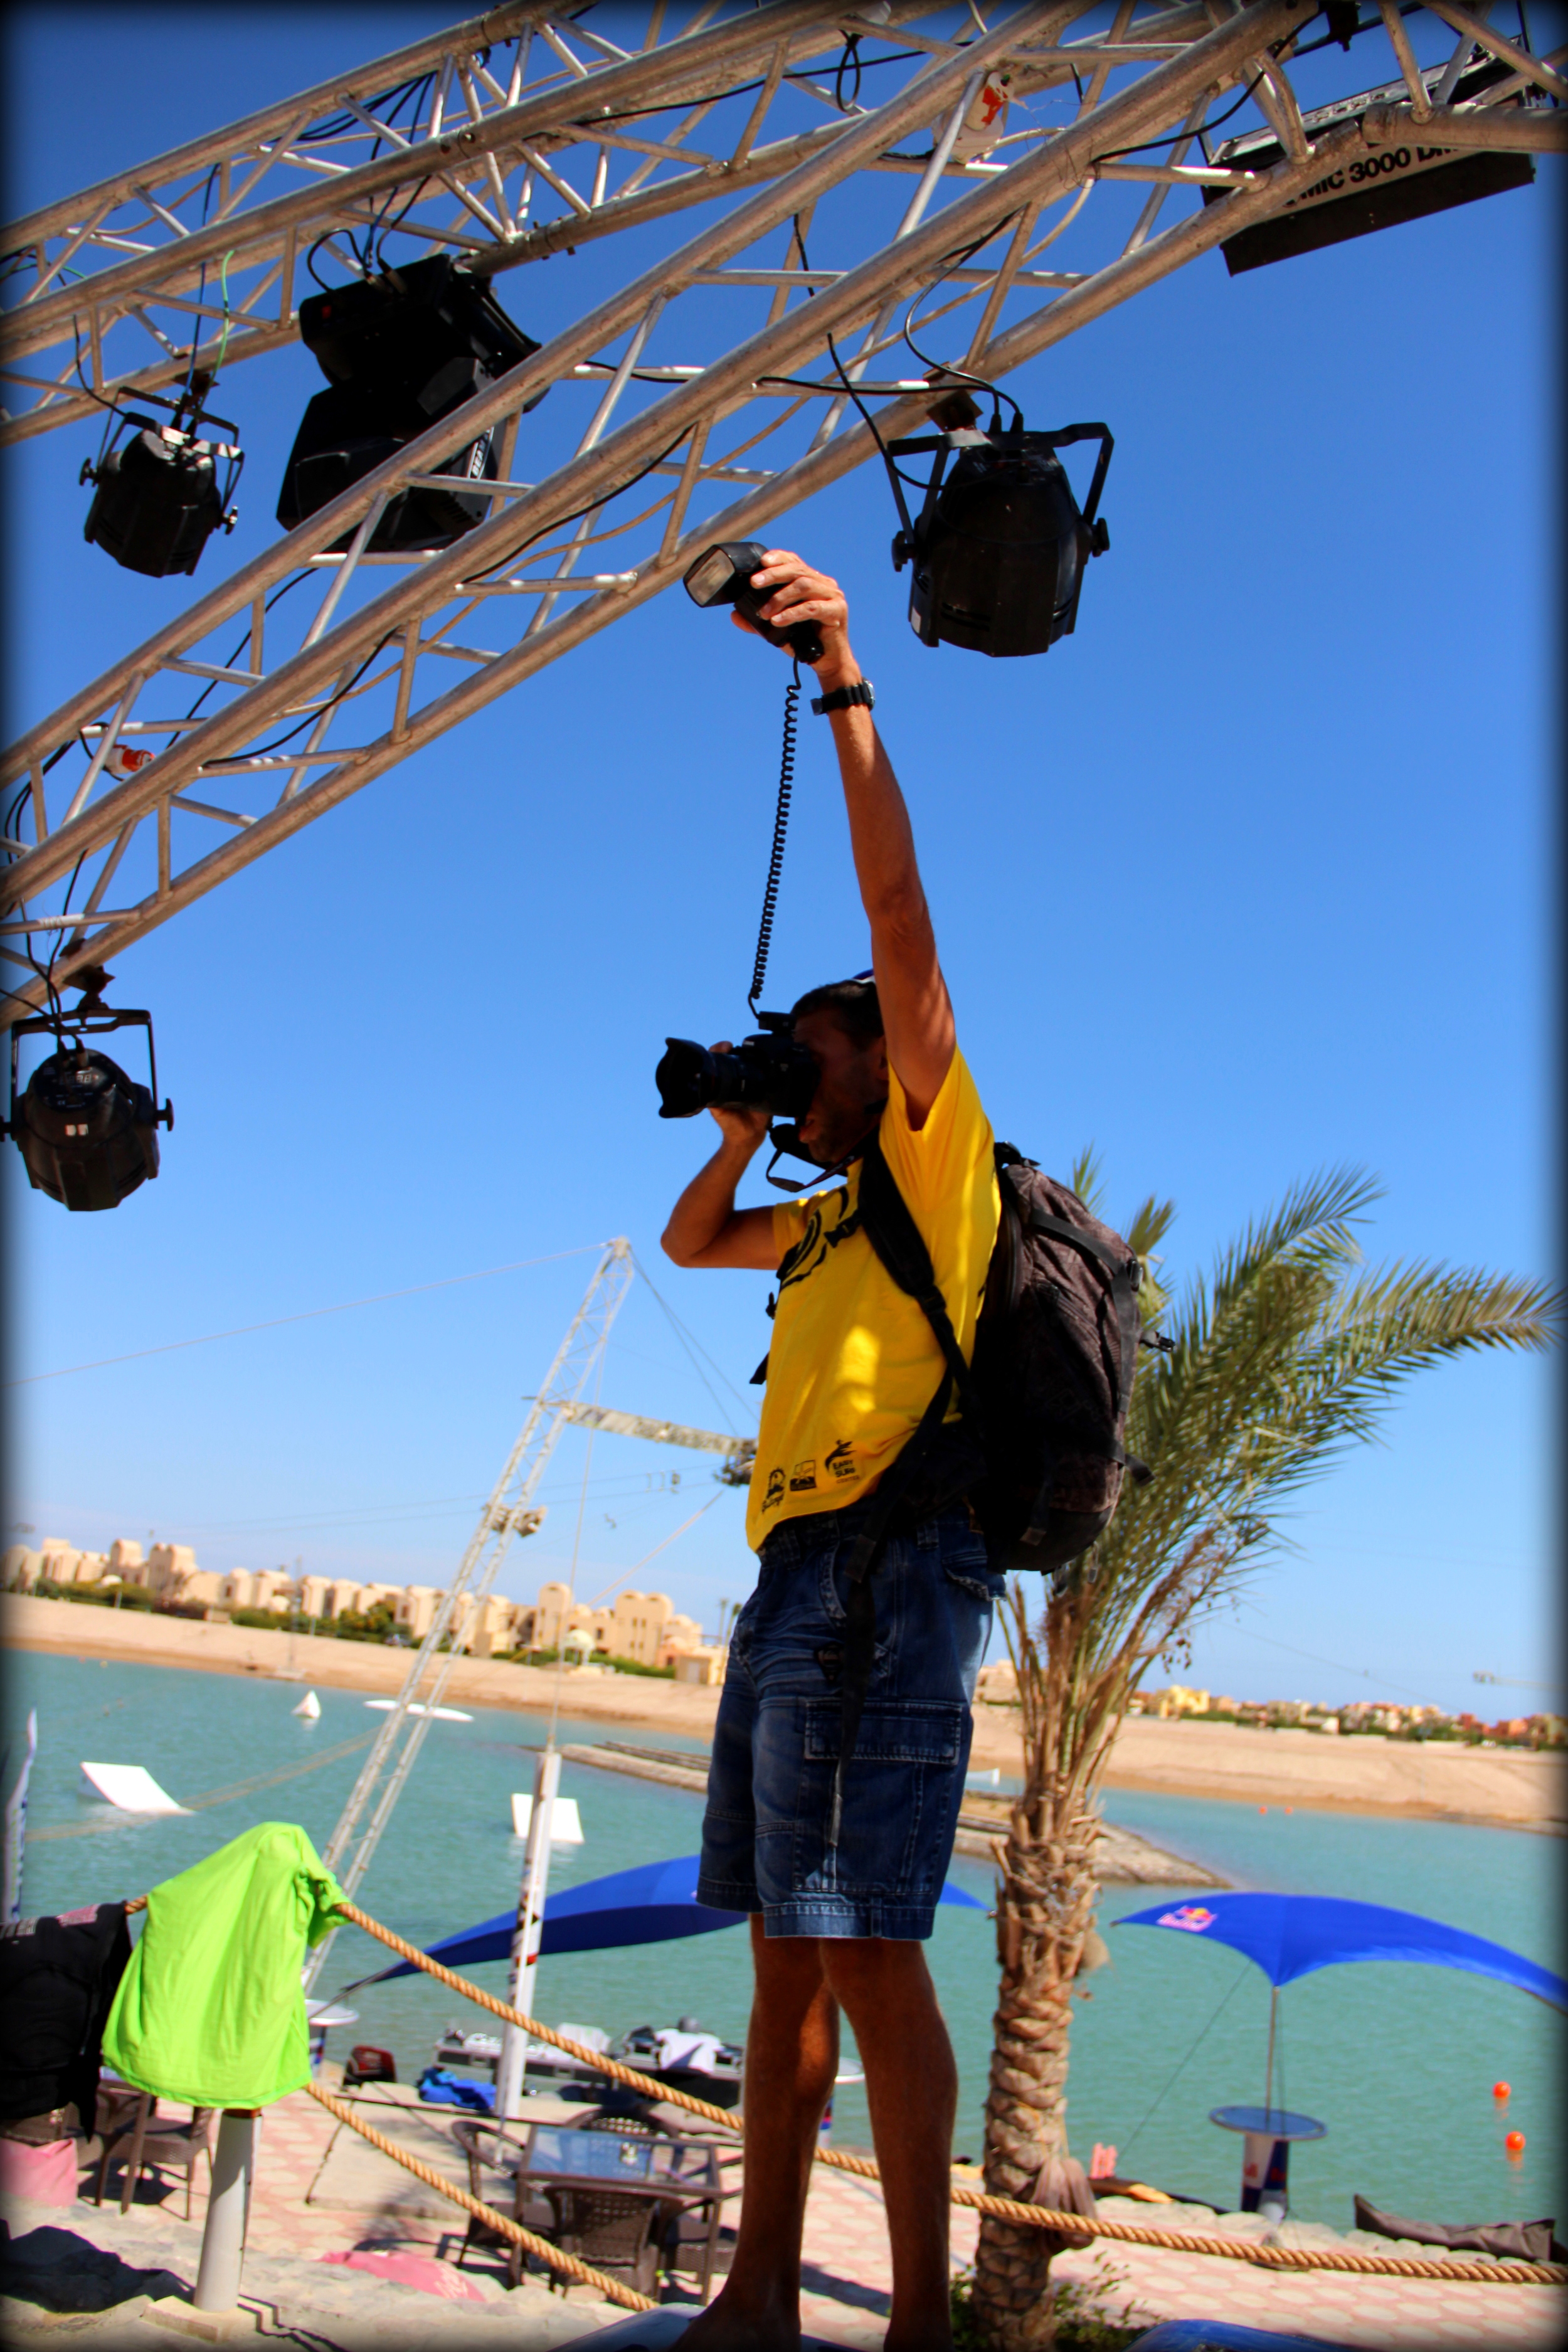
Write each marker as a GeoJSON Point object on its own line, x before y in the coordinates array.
{"type": "Point", "coordinates": [510, 1512]}
{"type": "Point", "coordinates": [530, 135]}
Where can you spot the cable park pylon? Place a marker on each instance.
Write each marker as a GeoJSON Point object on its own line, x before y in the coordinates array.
{"type": "Point", "coordinates": [510, 1512]}
{"type": "Point", "coordinates": [711, 360]}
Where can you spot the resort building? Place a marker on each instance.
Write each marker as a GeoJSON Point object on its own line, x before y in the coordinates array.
{"type": "Point", "coordinates": [412, 1609]}
{"type": "Point", "coordinates": [637, 1626]}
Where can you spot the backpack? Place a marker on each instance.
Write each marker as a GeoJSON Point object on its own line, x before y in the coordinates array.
{"type": "Point", "coordinates": [1038, 1447]}
{"type": "Point", "coordinates": [1055, 1350]}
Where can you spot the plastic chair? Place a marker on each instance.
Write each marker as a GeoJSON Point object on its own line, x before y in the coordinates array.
{"type": "Point", "coordinates": [156, 2141]}
{"type": "Point", "coordinates": [369, 2065]}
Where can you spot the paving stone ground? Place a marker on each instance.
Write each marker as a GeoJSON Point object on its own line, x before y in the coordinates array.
{"type": "Point", "coordinates": [847, 2267]}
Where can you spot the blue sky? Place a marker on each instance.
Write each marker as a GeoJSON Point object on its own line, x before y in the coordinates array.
{"type": "Point", "coordinates": [1252, 876]}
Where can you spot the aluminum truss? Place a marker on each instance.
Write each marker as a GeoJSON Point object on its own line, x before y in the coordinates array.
{"type": "Point", "coordinates": [289, 713]}
{"type": "Point", "coordinates": [509, 1512]}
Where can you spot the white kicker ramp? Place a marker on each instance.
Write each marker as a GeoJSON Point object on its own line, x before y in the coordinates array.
{"type": "Point", "coordinates": [130, 1787]}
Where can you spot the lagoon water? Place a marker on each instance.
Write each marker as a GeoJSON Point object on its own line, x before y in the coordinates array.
{"type": "Point", "coordinates": [1397, 2061]}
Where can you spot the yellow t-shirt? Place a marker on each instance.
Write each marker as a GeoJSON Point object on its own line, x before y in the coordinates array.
{"type": "Point", "coordinates": [854, 1363]}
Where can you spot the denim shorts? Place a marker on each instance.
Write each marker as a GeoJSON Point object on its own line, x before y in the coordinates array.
{"type": "Point", "coordinates": [775, 1743]}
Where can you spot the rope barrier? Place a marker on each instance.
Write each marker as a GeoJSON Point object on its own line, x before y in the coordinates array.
{"type": "Point", "coordinates": [582, 2273]}
{"type": "Point", "coordinates": [1077, 2228]}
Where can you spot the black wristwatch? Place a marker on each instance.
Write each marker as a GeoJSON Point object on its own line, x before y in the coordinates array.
{"type": "Point", "coordinates": [846, 697]}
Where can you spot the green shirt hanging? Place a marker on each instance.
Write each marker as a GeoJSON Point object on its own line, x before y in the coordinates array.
{"type": "Point", "coordinates": [210, 2009]}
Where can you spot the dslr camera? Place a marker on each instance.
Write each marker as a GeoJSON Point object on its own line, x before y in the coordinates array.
{"type": "Point", "coordinates": [767, 1072]}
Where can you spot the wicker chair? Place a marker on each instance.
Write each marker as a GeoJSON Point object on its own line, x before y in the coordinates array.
{"type": "Point", "coordinates": [617, 2232]}
{"type": "Point", "coordinates": [487, 2147]}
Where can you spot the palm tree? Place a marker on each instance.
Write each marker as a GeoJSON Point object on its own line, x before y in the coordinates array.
{"type": "Point", "coordinates": [1285, 1357]}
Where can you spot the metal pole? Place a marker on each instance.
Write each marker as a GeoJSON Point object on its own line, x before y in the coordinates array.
{"type": "Point", "coordinates": [527, 1931]}
{"type": "Point", "coordinates": [1268, 2074]}
{"type": "Point", "coordinates": [228, 2211]}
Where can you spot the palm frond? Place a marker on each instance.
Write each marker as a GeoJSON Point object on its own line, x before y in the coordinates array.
{"type": "Point", "coordinates": [1085, 1178]}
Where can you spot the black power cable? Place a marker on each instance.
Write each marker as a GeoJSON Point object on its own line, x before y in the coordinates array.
{"type": "Point", "coordinates": [781, 827]}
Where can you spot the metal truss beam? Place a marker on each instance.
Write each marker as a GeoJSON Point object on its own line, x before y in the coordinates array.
{"type": "Point", "coordinates": [509, 1512]}
{"type": "Point", "coordinates": [257, 725]}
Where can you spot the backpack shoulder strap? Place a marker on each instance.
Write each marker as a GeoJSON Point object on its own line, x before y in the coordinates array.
{"type": "Point", "coordinates": [889, 1226]}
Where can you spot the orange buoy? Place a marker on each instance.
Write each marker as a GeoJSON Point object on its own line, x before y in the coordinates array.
{"type": "Point", "coordinates": [1514, 2144]}
{"type": "Point", "coordinates": [1290, 1808]}
{"type": "Point", "coordinates": [1263, 1808]}
{"type": "Point", "coordinates": [1501, 2093]}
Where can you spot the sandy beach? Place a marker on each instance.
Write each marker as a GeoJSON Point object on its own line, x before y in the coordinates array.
{"type": "Point", "coordinates": [1506, 1788]}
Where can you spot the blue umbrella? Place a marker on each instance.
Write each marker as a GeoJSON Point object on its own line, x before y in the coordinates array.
{"type": "Point", "coordinates": [650, 1905]}
{"type": "Point", "coordinates": [1289, 1935]}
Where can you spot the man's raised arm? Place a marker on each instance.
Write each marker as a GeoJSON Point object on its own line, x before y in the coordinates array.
{"type": "Point", "coordinates": [705, 1227]}
{"type": "Point", "coordinates": [916, 1013]}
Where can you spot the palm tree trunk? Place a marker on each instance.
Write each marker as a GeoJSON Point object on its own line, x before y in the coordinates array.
{"type": "Point", "coordinates": [1045, 1909]}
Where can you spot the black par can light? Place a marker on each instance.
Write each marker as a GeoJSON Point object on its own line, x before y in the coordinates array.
{"type": "Point", "coordinates": [723, 575]}
{"type": "Point", "coordinates": [88, 1132]}
{"type": "Point", "coordinates": [998, 549]}
{"type": "Point", "coordinates": [157, 495]}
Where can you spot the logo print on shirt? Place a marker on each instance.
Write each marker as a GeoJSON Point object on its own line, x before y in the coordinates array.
{"type": "Point", "coordinates": [815, 1243]}
{"type": "Point", "coordinates": [775, 1493]}
{"type": "Point", "coordinates": [803, 1478]}
{"type": "Point", "coordinates": [841, 1461]}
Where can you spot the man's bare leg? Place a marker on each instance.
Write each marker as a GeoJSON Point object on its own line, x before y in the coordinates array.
{"type": "Point", "coordinates": [792, 2056]}
{"type": "Point", "coordinates": [911, 2084]}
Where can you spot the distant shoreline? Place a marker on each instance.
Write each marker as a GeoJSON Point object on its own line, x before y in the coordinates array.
{"type": "Point", "coordinates": [1498, 1788]}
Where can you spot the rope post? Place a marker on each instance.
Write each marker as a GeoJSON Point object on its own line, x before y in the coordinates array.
{"type": "Point", "coordinates": [228, 2211]}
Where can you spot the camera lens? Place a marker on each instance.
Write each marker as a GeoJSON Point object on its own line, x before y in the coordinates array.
{"type": "Point", "coordinates": [684, 1078]}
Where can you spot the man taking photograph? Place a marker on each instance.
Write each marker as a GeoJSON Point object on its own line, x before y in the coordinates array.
{"type": "Point", "coordinates": [838, 1921]}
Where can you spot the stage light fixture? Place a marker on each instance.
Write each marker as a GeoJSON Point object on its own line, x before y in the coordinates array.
{"type": "Point", "coordinates": [998, 549]}
{"type": "Point", "coordinates": [400, 350]}
{"type": "Point", "coordinates": [1380, 189]}
{"type": "Point", "coordinates": [86, 1131]}
{"type": "Point", "coordinates": [157, 499]}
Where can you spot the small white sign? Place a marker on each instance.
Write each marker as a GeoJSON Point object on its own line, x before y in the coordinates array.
{"type": "Point", "coordinates": [566, 1829]}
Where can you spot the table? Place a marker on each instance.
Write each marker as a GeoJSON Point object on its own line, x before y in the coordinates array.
{"type": "Point", "coordinates": [678, 2175]}
{"type": "Point", "coordinates": [1266, 2155]}
{"type": "Point", "coordinates": [319, 2016]}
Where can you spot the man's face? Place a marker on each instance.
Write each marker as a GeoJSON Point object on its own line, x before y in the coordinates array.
{"type": "Point", "coordinates": [851, 1085]}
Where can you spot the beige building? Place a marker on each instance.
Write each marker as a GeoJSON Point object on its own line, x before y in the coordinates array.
{"type": "Point", "coordinates": [237, 1590]}
{"type": "Point", "coordinates": [703, 1664]}
{"type": "Point", "coordinates": [311, 1596]}
{"type": "Point", "coordinates": [127, 1562]}
{"type": "Point", "coordinates": [170, 1568]}
{"type": "Point", "coordinates": [484, 1628]}
{"type": "Point", "coordinates": [997, 1684]}
{"type": "Point", "coordinates": [555, 1612]}
{"type": "Point", "coordinates": [681, 1636]}
{"type": "Point", "coordinates": [20, 1568]}
{"type": "Point", "coordinates": [637, 1626]}
{"type": "Point", "coordinates": [1178, 1699]}
{"type": "Point", "coordinates": [413, 1607]}
{"type": "Point", "coordinates": [63, 1563]}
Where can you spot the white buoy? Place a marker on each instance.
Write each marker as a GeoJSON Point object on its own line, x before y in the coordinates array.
{"type": "Point", "coordinates": [310, 1706]}
{"type": "Point", "coordinates": [441, 1714]}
